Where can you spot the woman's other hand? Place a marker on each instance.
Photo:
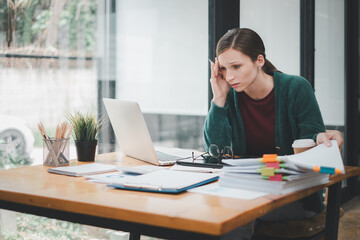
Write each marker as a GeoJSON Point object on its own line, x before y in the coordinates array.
{"type": "Point", "coordinates": [325, 137]}
{"type": "Point", "coordinates": [219, 86]}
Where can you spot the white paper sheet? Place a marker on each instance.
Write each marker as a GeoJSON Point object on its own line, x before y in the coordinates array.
{"type": "Point", "coordinates": [179, 152]}
{"type": "Point", "coordinates": [321, 156]}
{"type": "Point", "coordinates": [215, 189]}
{"type": "Point", "coordinates": [178, 167]}
{"type": "Point", "coordinates": [106, 177]}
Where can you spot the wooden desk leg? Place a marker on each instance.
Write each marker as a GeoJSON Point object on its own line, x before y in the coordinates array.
{"type": "Point", "coordinates": [134, 236]}
{"type": "Point", "coordinates": [332, 214]}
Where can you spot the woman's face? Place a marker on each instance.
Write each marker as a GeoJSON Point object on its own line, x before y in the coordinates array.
{"type": "Point", "coordinates": [238, 69]}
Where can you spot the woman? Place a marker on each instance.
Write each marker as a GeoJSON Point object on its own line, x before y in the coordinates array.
{"type": "Point", "coordinates": [256, 110]}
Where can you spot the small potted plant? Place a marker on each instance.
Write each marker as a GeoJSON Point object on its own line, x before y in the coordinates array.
{"type": "Point", "coordinates": [86, 129]}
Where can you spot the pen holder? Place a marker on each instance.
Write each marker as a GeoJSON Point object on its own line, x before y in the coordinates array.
{"type": "Point", "coordinates": [56, 152]}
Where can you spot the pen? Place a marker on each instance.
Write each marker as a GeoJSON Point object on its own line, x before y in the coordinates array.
{"type": "Point", "coordinates": [51, 146]}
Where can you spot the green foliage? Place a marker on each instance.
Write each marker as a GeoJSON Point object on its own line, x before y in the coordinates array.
{"type": "Point", "coordinates": [22, 23]}
{"type": "Point", "coordinates": [13, 160]}
{"type": "Point", "coordinates": [31, 227]}
{"type": "Point", "coordinates": [78, 21]}
{"type": "Point", "coordinates": [85, 126]}
{"type": "Point", "coordinates": [41, 21]}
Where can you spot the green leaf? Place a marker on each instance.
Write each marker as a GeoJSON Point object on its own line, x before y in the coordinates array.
{"type": "Point", "coordinates": [85, 126]}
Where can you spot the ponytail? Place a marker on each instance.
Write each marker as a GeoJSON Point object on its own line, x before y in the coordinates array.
{"type": "Point", "coordinates": [268, 67]}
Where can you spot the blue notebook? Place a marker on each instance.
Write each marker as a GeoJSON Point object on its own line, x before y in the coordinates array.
{"type": "Point", "coordinates": [164, 181]}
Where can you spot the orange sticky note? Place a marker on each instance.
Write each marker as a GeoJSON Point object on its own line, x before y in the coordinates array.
{"type": "Point", "coordinates": [269, 157]}
{"type": "Point", "coordinates": [317, 169]}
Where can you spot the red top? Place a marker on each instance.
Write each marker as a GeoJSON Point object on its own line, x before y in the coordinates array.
{"type": "Point", "coordinates": [258, 117]}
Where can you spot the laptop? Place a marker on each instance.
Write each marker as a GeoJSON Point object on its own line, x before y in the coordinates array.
{"type": "Point", "coordinates": [132, 134]}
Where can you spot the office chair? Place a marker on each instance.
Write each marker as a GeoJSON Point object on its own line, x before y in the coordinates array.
{"type": "Point", "coordinates": [309, 229]}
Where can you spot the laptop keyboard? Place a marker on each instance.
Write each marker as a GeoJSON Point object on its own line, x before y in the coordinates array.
{"type": "Point", "coordinates": [166, 157]}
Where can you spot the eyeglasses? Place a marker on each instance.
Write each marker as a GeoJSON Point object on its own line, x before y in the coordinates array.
{"type": "Point", "coordinates": [214, 155]}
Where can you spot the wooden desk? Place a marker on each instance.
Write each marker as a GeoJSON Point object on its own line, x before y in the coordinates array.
{"type": "Point", "coordinates": [188, 215]}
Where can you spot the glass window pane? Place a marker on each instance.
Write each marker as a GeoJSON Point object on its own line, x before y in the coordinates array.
{"type": "Point", "coordinates": [47, 69]}
{"type": "Point", "coordinates": [162, 55]}
{"type": "Point", "coordinates": [278, 24]}
{"type": "Point", "coordinates": [329, 60]}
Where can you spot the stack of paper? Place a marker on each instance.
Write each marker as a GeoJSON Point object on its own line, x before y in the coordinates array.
{"type": "Point", "coordinates": [257, 183]}
{"type": "Point", "coordinates": [287, 173]}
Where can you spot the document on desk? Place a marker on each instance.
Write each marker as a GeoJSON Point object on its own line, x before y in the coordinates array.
{"type": "Point", "coordinates": [164, 181]}
{"type": "Point", "coordinates": [320, 158]}
{"type": "Point", "coordinates": [178, 167]}
{"type": "Point", "coordinates": [107, 177]}
{"type": "Point", "coordinates": [284, 174]}
{"type": "Point", "coordinates": [82, 170]}
{"type": "Point", "coordinates": [217, 190]}
{"type": "Point", "coordinates": [140, 169]}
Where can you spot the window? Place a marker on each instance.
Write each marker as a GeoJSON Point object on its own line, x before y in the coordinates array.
{"type": "Point", "coordinates": [162, 55]}
{"type": "Point", "coordinates": [161, 63]}
{"type": "Point", "coordinates": [329, 61]}
{"type": "Point", "coordinates": [47, 66]}
{"type": "Point", "coordinates": [47, 70]}
{"type": "Point", "coordinates": [278, 23]}
{"type": "Point", "coordinates": [56, 55]}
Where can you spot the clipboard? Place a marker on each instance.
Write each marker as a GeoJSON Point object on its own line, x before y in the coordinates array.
{"type": "Point", "coordinates": [164, 181]}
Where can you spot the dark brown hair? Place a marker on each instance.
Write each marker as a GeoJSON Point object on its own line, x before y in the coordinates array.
{"type": "Point", "coordinates": [246, 41]}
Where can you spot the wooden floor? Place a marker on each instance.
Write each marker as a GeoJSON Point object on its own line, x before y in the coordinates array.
{"type": "Point", "coordinates": [349, 225]}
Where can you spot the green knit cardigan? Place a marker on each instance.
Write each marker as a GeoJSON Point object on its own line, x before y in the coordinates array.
{"type": "Point", "coordinates": [297, 116]}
